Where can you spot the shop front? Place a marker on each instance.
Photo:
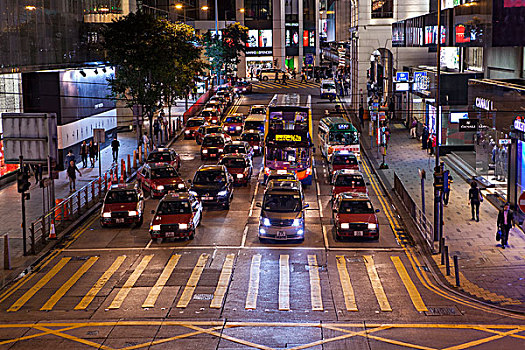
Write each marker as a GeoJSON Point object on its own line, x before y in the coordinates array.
{"type": "Point", "coordinates": [259, 51]}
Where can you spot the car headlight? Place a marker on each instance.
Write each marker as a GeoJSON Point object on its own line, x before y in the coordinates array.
{"type": "Point", "coordinates": [183, 226]}
{"type": "Point", "coordinates": [266, 222]}
{"type": "Point", "coordinates": [187, 131]}
{"type": "Point", "coordinates": [255, 147]}
{"type": "Point", "coordinates": [204, 151]}
{"type": "Point", "coordinates": [106, 214]}
{"type": "Point", "coordinates": [372, 226]}
{"type": "Point", "coordinates": [133, 213]}
{"type": "Point", "coordinates": [300, 232]}
{"type": "Point", "coordinates": [222, 193]}
{"type": "Point", "coordinates": [297, 222]}
{"type": "Point", "coordinates": [154, 228]}
{"type": "Point", "coordinates": [221, 150]}
{"type": "Point", "coordinates": [214, 121]}
{"type": "Point", "coordinates": [160, 188]}
{"type": "Point", "coordinates": [193, 193]}
{"type": "Point", "coordinates": [225, 128]}
{"type": "Point", "coordinates": [262, 231]}
{"type": "Point", "coordinates": [180, 186]}
{"type": "Point", "coordinates": [238, 128]}
{"type": "Point", "coordinates": [345, 225]}
{"type": "Point", "coordinates": [240, 176]}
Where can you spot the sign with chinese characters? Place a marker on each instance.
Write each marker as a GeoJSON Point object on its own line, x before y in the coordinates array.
{"type": "Point", "coordinates": [483, 103]}
{"type": "Point", "coordinates": [293, 138]}
{"type": "Point", "coordinates": [421, 83]}
{"type": "Point", "coordinates": [519, 125]}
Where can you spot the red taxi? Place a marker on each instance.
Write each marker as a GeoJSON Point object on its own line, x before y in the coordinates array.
{"type": "Point", "coordinates": [243, 87]}
{"type": "Point", "coordinates": [211, 115]}
{"type": "Point", "coordinates": [192, 125]}
{"type": "Point", "coordinates": [239, 147]}
{"type": "Point", "coordinates": [354, 216]}
{"type": "Point", "coordinates": [164, 155]}
{"type": "Point", "coordinates": [213, 146]}
{"type": "Point", "coordinates": [177, 216]}
{"type": "Point", "coordinates": [342, 160]}
{"type": "Point", "coordinates": [239, 166]}
{"type": "Point", "coordinates": [233, 123]}
{"type": "Point", "coordinates": [205, 130]}
{"type": "Point", "coordinates": [159, 179]}
{"type": "Point", "coordinates": [123, 204]}
{"type": "Point", "coordinates": [216, 104]}
{"type": "Point", "coordinates": [254, 139]}
{"type": "Point", "coordinates": [347, 180]}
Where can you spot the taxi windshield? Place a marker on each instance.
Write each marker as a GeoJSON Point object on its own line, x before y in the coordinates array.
{"type": "Point", "coordinates": [233, 162]}
{"type": "Point", "coordinates": [213, 130]}
{"type": "Point", "coordinates": [250, 137]}
{"type": "Point", "coordinates": [160, 157]}
{"type": "Point", "coordinates": [209, 176]}
{"type": "Point", "coordinates": [344, 160]}
{"type": "Point", "coordinates": [162, 173]}
{"type": "Point", "coordinates": [235, 119]}
{"type": "Point", "coordinates": [213, 141]}
{"type": "Point", "coordinates": [121, 197]}
{"type": "Point", "coordinates": [207, 114]}
{"type": "Point", "coordinates": [255, 125]}
{"type": "Point", "coordinates": [282, 202]}
{"type": "Point", "coordinates": [349, 181]}
{"type": "Point", "coordinates": [194, 122]}
{"type": "Point", "coordinates": [174, 207]}
{"type": "Point", "coordinates": [343, 138]}
{"type": "Point", "coordinates": [258, 110]}
{"type": "Point", "coordinates": [356, 207]}
{"type": "Point", "coordinates": [234, 149]}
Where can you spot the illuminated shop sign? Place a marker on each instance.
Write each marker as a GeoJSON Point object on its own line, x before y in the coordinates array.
{"type": "Point", "coordinates": [343, 126]}
{"type": "Point", "coordinates": [519, 125]}
{"type": "Point", "coordinates": [421, 83]}
{"type": "Point", "coordinates": [483, 103]}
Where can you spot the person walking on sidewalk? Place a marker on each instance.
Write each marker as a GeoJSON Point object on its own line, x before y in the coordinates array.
{"type": "Point", "coordinates": [115, 145]}
{"type": "Point", "coordinates": [475, 198]}
{"type": "Point", "coordinates": [70, 157]}
{"type": "Point", "coordinates": [92, 153]}
{"type": "Point", "coordinates": [505, 222]}
{"type": "Point", "coordinates": [424, 137]}
{"type": "Point", "coordinates": [361, 114]}
{"type": "Point", "coordinates": [446, 191]}
{"type": "Point", "coordinates": [145, 141]}
{"type": "Point", "coordinates": [413, 129]}
{"type": "Point", "coordinates": [84, 151]}
{"type": "Point", "coordinates": [71, 174]}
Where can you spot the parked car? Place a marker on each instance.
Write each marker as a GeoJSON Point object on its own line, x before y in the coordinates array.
{"type": "Point", "coordinates": [192, 125]}
{"type": "Point", "coordinates": [354, 216]}
{"type": "Point", "coordinates": [159, 179]}
{"type": "Point", "coordinates": [123, 204]}
{"type": "Point", "coordinates": [213, 184]}
{"type": "Point", "coordinates": [164, 155]}
{"type": "Point", "coordinates": [239, 166]}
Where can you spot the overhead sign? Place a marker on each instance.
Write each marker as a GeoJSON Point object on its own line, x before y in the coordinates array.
{"type": "Point", "coordinates": [519, 125]}
{"type": "Point", "coordinates": [309, 59]}
{"type": "Point", "coordinates": [483, 103]}
{"type": "Point", "coordinates": [421, 83]}
{"type": "Point", "coordinates": [466, 125]}
{"type": "Point", "coordinates": [402, 76]}
{"type": "Point", "coordinates": [521, 202]}
{"type": "Point", "coordinates": [99, 136]}
{"type": "Point", "coordinates": [293, 138]}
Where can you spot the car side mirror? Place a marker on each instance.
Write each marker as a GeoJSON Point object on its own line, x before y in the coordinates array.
{"type": "Point", "coordinates": [306, 206]}
{"type": "Point", "coordinates": [258, 205]}
{"type": "Point", "coordinates": [152, 211]}
{"type": "Point", "coordinates": [377, 210]}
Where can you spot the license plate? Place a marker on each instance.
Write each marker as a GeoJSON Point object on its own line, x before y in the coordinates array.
{"type": "Point", "coordinates": [170, 234]}
{"type": "Point", "coordinates": [281, 234]}
{"type": "Point", "coordinates": [358, 233]}
{"type": "Point", "coordinates": [120, 221]}
{"type": "Point", "coordinates": [207, 198]}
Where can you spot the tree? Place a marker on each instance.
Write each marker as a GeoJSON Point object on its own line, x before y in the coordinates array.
{"type": "Point", "coordinates": [152, 57]}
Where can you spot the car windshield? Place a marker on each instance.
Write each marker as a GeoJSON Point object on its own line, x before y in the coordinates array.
{"type": "Point", "coordinates": [344, 160]}
{"type": "Point", "coordinates": [328, 86]}
{"type": "Point", "coordinates": [343, 138]}
{"type": "Point", "coordinates": [160, 157]}
{"type": "Point", "coordinates": [255, 125]}
{"type": "Point", "coordinates": [356, 207]}
{"type": "Point", "coordinates": [235, 119]}
{"type": "Point", "coordinates": [209, 176]}
{"type": "Point", "coordinates": [174, 207]}
{"type": "Point", "coordinates": [258, 110]}
{"type": "Point", "coordinates": [234, 149]}
{"type": "Point", "coordinates": [162, 173]}
{"type": "Point", "coordinates": [195, 122]}
{"type": "Point", "coordinates": [121, 197]}
{"type": "Point", "coordinates": [213, 141]}
{"type": "Point", "coordinates": [213, 130]}
{"type": "Point", "coordinates": [250, 137]}
{"type": "Point", "coordinates": [233, 162]}
{"type": "Point", "coordinates": [349, 181]}
{"type": "Point", "coordinates": [282, 202]}
{"type": "Point", "coordinates": [281, 177]}
{"type": "Point", "coordinates": [207, 114]}
{"type": "Point", "coordinates": [288, 154]}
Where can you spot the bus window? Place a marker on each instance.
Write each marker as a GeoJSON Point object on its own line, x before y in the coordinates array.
{"type": "Point", "coordinates": [343, 138]}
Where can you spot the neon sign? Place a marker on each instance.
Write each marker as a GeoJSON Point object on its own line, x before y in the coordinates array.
{"type": "Point", "coordinates": [293, 138]}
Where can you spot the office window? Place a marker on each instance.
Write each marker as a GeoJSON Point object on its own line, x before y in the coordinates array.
{"type": "Point", "coordinates": [382, 8]}
{"type": "Point", "coordinates": [257, 9]}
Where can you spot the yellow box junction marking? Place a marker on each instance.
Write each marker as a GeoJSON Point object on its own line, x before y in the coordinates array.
{"type": "Point", "coordinates": [126, 288]}
{"type": "Point", "coordinates": [315, 284]}
{"type": "Point", "coordinates": [348, 291]}
{"type": "Point", "coordinates": [409, 285]}
{"type": "Point", "coordinates": [41, 283]}
{"type": "Point", "coordinates": [284, 283]}
{"type": "Point", "coordinates": [70, 282]}
{"type": "Point", "coordinates": [376, 283]}
{"type": "Point", "coordinates": [187, 293]}
{"type": "Point", "coordinates": [224, 281]}
{"type": "Point", "coordinates": [88, 298]}
{"type": "Point", "coordinates": [161, 281]}
{"type": "Point", "coordinates": [253, 287]}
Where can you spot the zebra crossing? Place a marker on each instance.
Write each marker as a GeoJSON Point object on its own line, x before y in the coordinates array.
{"type": "Point", "coordinates": [114, 275]}
{"type": "Point", "coordinates": [290, 84]}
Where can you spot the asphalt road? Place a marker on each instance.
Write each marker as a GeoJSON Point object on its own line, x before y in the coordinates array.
{"type": "Point", "coordinates": [114, 288]}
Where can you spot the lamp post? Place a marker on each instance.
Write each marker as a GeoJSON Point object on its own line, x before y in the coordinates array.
{"type": "Point", "coordinates": [181, 7]}
{"type": "Point", "coordinates": [438, 170]}
{"type": "Point", "coordinates": [206, 8]}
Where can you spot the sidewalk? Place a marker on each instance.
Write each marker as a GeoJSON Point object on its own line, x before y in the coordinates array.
{"type": "Point", "coordinates": [487, 271]}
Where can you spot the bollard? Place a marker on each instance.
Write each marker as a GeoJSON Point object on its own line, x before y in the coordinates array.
{"type": "Point", "coordinates": [135, 159]}
{"type": "Point", "coordinates": [7, 257]}
{"type": "Point", "coordinates": [122, 169]}
{"type": "Point", "coordinates": [140, 155]}
{"type": "Point", "coordinates": [456, 269]}
{"type": "Point", "coordinates": [442, 251]}
{"type": "Point", "coordinates": [447, 262]}
{"type": "Point", "coordinates": [145, 152]}
{"type": "Point", "coordinates": [128, 169]}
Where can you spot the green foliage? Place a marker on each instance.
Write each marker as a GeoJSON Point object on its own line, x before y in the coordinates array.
{"type": "Point", "coordinates": [225, 51]}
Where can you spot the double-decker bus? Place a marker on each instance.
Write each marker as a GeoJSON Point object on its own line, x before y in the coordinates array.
{"type": "Point", "coordinates": [337, 134]}
{"type": "Point", "coordinates": [288, 136]}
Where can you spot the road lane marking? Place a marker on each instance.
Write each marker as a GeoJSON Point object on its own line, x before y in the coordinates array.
{"type": "Point", "coordinates": [48, 306]}
{"type": "Point", "coordinates": [254, 196]}
{"type": "Point", "coordinates": [126, 288]}
{"type": "Point", "coordinates": [161, 281]}
{"type": "Point", "coordinates": [321, 214]}
{"type": "Point", "coordinates": [409, 285]}
{"type": "Point", "coordinates": [41, 283]}
{"type": "Point", "coordinates": [284, 282]}
{"type": "Point", "coordinates": [224, 281]}
{"type": "Point", "coordinates": [325, 238]}
{"type": "Point", "coordinates": [348, 291]}
{"type": "Point", "coordinates": [349, 249]}
{"type": "Point", "coordinates": [149, 244]}
{"type": "Point", "coordinates": [315, 284]}
{"type": "Point", "coordinates": [253, 287]}
{"type": "Point", "coordinates": [376, 283]}
{"type": "Point", "coordinates": [244, 235]}
{"type": "Point", "coordinates": [88, 298]}
{"type": "Point", "coordinates": [187, 294]}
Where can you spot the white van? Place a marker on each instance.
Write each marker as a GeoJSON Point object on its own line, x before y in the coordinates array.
{"type": "Point", "coordinates": [255, 122]}
{"type": "Point", "coordinates": [328, 89]}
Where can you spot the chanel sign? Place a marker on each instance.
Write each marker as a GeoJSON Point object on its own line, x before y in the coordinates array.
{"type": "Point", "coordinates": [483, 103]}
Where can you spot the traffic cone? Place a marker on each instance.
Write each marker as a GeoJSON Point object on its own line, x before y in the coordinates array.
{"type": "Point", "coordinates": [52, 233]}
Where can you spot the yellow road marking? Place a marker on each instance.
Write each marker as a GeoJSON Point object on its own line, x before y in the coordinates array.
{"type": "Point", "coordinates": [29, 294]}
{"type": "Point", "coordinates": [70, 282]}
{"type": "Point", "coordinates": [26, 337]}
{"type": "Point", "coordinates": [224, 281]}
{"type": "Point", "coordinates": [482, 341]}
{"type": "Point", "coordinates": [409, 285]}
{"type": "Point", "coordinates": [230, 338]}
{"type": "Point", "coordinates": [58, 333]}
{"type": "Point", "coordinates": [88, 298]}
{"type": "Point", "coordinates": [284, 283]}
{"type": "Point", "coordinates": [187, 294]}
{"type": "Point", "coordinates": [126, 288]}
{"type": "Point", "coordinates": [315, 284]}
{"type": "Point", "coordinates": [161, 281]}
{"type": "Point", "coordinates": [348, 291]}
{"type": "Point", "coordinates": [253, 287]}
{"type": "Point", "coordinates": [376, 283]}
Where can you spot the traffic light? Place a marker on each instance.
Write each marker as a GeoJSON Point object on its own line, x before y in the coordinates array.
{"type": "Point", "coordinates": [22, 180]}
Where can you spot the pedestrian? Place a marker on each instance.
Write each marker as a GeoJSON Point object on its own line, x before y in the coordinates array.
{"type": "Point", "coordinates": [71, 174]}
{"type": "Point", "coordinates": [93, 150]}
{"type": "Point", "coordinates": [446, 191]}
{"type": "Point", "coordinates": [431, 144]}
{"type": "Point", "coordinates": [156, 131]}
{"type": "Point", "coordinates": [284, 78]}
{"type": "Point", "coordinates": [37, 170]}
{"type": "Point", "coordinates": [505, 222]}
{"type": "Point", "coordinates": [145, 141]}
{"type": "Point", "coordinates": [115, 145]}
{"type": "Point", "coordinates": [413, 128]}
{"type": "Point", "coordinates": [84, 152]}
{"type": "Point", "coordinates": [475, 198]}
{"type": "Point", "coordinates": [424, 137]}
{"type": "Point", "coordinates": [347, 87]}
{"type": "Point", "coordinates": [294, 74]}
{"type": "Point", "coordinates": [69, 157]}
{"type": "Point", "coordinates": [303, 77]}
{"type": "Point", "coordinates": [96, 146]}
{"type": "Point", "coordinates": [361, 114]}
{"type": "Point", "coordinates": [276, 77]}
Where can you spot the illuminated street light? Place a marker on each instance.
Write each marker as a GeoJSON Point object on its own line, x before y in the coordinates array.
{"type": "Point", "coordinates": [30, 8]}
{"type": "Point", "coordinates": [205, 8]}
{"type": "Point", "coordinates": [178, 6]}
{"type": "Point", "coordinates": [242, 10]}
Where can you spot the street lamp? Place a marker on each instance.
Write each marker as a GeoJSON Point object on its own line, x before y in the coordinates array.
{"type": "Point", "coordinates": [181, 7]}
{"type": "Point", "coordinates": [30, 8]}
{"type": "Point", "coordinates": [206, 8]}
